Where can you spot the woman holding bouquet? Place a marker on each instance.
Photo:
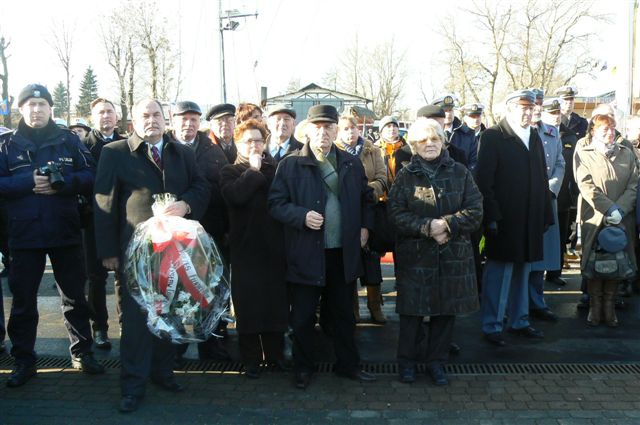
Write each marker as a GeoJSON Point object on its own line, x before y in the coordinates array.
{"type": "Point", "coordinates": [257, 251]}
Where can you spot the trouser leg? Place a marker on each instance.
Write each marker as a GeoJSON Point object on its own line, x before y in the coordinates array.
{"type": "Point", "coordinates": [410, 338]}
{"type": "Point", "coordinates": [304, 301]}
{"type": "Point", "coordinates": [439, 336]}
{"type": "Point", "coordinates": [273, 346]}
{"type": "Point", "coordinates": [495, 294]}
{"type": "Point", "coordinates": [97, 276]}
{"type": "Point", "coordinates": [536, 291]}
{"type": "Point", "coordinates": [250, 348]}
{"type": "Point", "coordinates": [519, 296]}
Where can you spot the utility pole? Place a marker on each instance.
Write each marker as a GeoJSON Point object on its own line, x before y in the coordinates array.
{"type": "Point", "coordinates": [227, 24]}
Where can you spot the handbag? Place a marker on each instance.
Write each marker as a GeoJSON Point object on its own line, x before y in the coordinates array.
{"type": "Point", "coordinates": [383, 237]}
{"type": "Point", "coordinates": [607, 265]}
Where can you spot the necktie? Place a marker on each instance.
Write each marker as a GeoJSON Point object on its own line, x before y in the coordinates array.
{"type": "Point", "coordinates": [155, 153]}
{"type": "Point", "coordinates": [278, 154]}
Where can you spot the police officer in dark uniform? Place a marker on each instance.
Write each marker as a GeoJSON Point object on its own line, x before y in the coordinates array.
{"type": "Point", "coordinates": [458, 133]}
{"type": "Point", "coordinates": [104, 118]}
{"type": "Point", "coordinates": [42, 170]}
{"type": "Point", "coordinates": [570, 119]}
{"type": "Point", "coordinates": [472, 116]}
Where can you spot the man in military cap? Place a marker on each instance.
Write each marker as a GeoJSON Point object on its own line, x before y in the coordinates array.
{"type": "Point", "coordinates": [570, 119]}
{"type": "Point", "coordinates": [512, 177]}
{"type": "Point", "coordinates": [458, 133]}
{"type": "Point", "coordinates": [42, 171]}
{"type": "Point", "coordinates": [472, 114]}
{"type": "Point", "coordinates": [321, 196]}
{"type": "Point", "coordinates": [210, 158]}
{"type": "Point", "coordinates": [222, 118]}
{"type": "Point", "coordinates": [105, 119]}
{"type": "Point", "coordinates": [281, 123]}
{"type": "Point", "coordinates": [555, 166]}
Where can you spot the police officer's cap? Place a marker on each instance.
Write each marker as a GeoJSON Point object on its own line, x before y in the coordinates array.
{"type": "Point", "coordinates": [182, 108]}
{"type": "Point", "coordinates": [566, 92]}
{"type": "Point", "coordinates": [551, 105]}
{"type": "Point", "coordinates": [446, 102]}
{"type": "Point", "coordinates": [430, 111]}
{"type": "Point", "coordinates": [221, 110]}
{"type": "Point", "coordinates": [539, 93]}
{"type": "Point", "coordinates": [473, 109]}
{"type": "Point", "coordinates": [385, 121]}
{"type": "Point", "coordinates": [282, 108]}
{"type": "Point", "coordinates": [322, 113]}
{"type": "Point", "coordinates": [524, 95]}
{"type": "Point", "coordinates": [34, 90]}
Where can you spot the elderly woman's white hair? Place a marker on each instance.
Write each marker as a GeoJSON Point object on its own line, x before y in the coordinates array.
{"type": "Point", "coordinates": [422, 129]}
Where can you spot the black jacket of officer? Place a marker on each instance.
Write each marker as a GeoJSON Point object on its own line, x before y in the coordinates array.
{"type": "Point", "coordinates": [43, 221]}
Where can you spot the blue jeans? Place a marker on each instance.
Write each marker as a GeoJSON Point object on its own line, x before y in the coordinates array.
{"type": "Point", "coordinates": [505, 285]}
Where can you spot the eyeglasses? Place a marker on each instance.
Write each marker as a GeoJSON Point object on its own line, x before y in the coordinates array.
{"type": "Point", "coordinates": [432, 140]}
{"type": "Point", "coordinates": [254, 141]}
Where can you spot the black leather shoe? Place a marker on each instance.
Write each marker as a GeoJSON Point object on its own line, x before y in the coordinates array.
{"type": "Point", "coordinates": [302, 379]}
{"type": "Point", "coordinates": [495, 339]}
{"type": "Point", "coordinates": [252, 371]}
{"type": "Point", "coordinates": [407, 374]}
{"type": "Point", "coordinates": [128, 404]}
{"type": "Point", "coordinates": [436, 372]}
{"type": "Point", "coordinates": [358, 375]}
{"type": "Point", "coordinates": [168, 384]}
{"type": "Point", "coordinates": [528, 332]}
{"type": "Point", "coordinates": [20, 375]}
{"type": "Point", "coordinates": [558, 281]}
{"type": "Point", "coordinates": [101, 339]}
{"type": "Point", "coordinates": [543, 314]}
{"type": "Point", "coordinates": [454, 348]}
{"type": "Point", "coordinates": [88, 364]}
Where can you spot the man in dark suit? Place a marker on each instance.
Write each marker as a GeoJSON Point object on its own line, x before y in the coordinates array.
{"type": "Point", "coordinates": [281, 123]}
{"type": "Point", "coordinates": [322, 197]}
{"type": "Point", "coordinates": [129, 174]}
{"type": "Point", "coordinates": [512, 176]}
{"type": "Point", "coordinates": [570, 119]}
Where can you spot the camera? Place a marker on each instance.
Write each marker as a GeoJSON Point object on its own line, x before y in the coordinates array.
{"type": "Point", "coordinates": [52, 170]}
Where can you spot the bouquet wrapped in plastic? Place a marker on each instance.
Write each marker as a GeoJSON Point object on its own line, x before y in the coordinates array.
{"type": "Point", "coordinates": [174, 272]}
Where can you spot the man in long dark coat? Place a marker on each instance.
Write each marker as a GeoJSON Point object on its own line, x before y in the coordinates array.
{"type": "Point", "coordinates": [511, 175]}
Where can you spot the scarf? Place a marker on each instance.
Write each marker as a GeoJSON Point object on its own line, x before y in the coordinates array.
{"type": "Point", "coordinates": [355, 150]}
{"type": "Point", "coordinates": [389, 150]}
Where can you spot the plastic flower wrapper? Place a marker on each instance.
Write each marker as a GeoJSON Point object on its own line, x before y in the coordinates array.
{"type": "Point", "coordinates": [174, 272]}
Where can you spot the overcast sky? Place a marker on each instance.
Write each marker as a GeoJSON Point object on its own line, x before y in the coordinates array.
{"type": "Point", "coordinates": [289, 39]}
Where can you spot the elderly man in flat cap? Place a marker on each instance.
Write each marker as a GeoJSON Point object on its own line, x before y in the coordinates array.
{"type": "Point", "coordinates": [210, 158]}
{"type": "Point", "coordinates": [322, 198]}
{"type": "Point", "coordinates": [512, 177]}
{"type": "Point", "coordinates": [281, 123]}
{"type": "Point", "coordinates": [222, 118]}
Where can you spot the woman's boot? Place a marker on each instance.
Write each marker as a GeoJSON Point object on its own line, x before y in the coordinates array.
{"type": "Point", "coordinates": [594, 289]}
{"type": "Point", "coordinates": [608, 304]}
{"type": "Point", "coordinates": [356, 303]}
{"type": "Point", "coordinates": [374, 303]}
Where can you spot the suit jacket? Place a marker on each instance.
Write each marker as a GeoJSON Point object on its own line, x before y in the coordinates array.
{"type": "Point", "coordinates": [126, 181]}
{"type": "Point", "coordinates": [231, 153]}
{"type": "Point", "coordinates": [294, 147]}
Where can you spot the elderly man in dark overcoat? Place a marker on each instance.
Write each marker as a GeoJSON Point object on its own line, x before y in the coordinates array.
{"type": "Point", "coordinates": [512, 177]}
{"type": "Point", "coordinates": [322, 197]}
{"type": "Point", "coordinates": [130, 172]}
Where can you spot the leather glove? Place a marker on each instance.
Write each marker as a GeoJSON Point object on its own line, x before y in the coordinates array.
{"type": "Point", "coordinates": [614, 218]}
{"type": "Point", "coordinates": [492, 229]}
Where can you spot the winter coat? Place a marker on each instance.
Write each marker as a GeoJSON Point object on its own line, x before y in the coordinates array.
{"type": "Point", "coordinates": [605, 184]}
{"type": "Point", "coordinates": [465, 139]}
{"type": "Point", "coordinates": [294, 146]}
{"type": "Point", "coordinates": [513, 181]}
{"type": "Point", "coordinates": [432, 279]}
{"type": "Point", "coordinates": [299, 188]}
{"type": "Point", "coordinates": [374, 168]}
{"type": "Point", "coordinates": [126, 180]}
{"type": "Point", "coordinates": [256, 241]}
{"type": "Point", "coordinates": [568, 195]}
{"type": "Point", "coordinates": [231, 153]}
{"type": "Point", "coordinates": [35, 220]}
{"type": "Point", "coordinates": [95, 142]}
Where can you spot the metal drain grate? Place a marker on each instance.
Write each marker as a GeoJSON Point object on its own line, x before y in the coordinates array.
{"type": "Point", "coordinates": [6, 363]}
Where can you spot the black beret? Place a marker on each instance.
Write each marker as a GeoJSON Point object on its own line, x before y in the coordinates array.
{"type": "Point", "coordinates": [322, 113]}
{"type": "Point", "coordinates": [430, 111]}
{"type": "Point", "coordinates": [186, 106]}
{"type": "Point", "coordinates": [219, 111]}
{"type": "Point", "coordinates": [34, 90]}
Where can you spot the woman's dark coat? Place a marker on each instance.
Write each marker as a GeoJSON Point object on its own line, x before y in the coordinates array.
{"type": "Point", "coordinates": [257, 250]}
{"type": "Point", "coordinates": [297, 189]}
{"type": "Point", "coordinates": [513, 181]}
{"type": "Point", "coordinates": [435, 279]}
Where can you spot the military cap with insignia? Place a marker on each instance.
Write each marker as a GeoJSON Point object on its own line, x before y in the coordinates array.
{"type": "Point", "coordinates": [551, 105]}
{"type": "Point", "coordinates": [473, 109]}
{"type": "Point", "coordinates": [539, 93]}
{"type": "Point", "coordinates": [322, 113]}
{"type": "Point", "coordinates": [566, 92]}
{"type": "Point", "coordinates": [34, 90]}
{"type": "Point", "coordinates": [446, 101]}
{"type": "Point", "coordinates": [525, 95]}
{"type": "Point", "coordinates": [282, 108]}
{"type": "Point", "coordinates": [221, 110]}
{"type": "Point", "coordinates": [430, 111]}
{"type": "Point", "coordinates": [183, 107]}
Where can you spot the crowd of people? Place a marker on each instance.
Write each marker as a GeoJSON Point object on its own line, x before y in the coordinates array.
{"type": "Point", "coordinates": [476, 218]}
